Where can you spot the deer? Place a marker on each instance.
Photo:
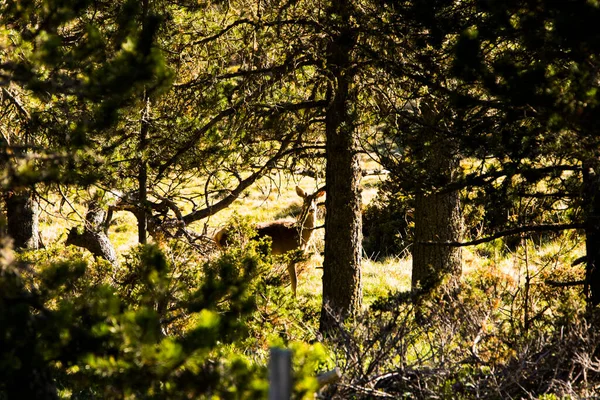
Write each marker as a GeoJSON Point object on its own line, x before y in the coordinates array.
{"type": "Point", "coordinates": [286, 235]}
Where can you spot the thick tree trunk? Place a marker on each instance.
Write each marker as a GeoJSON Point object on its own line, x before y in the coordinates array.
{"type": "Point", "coordinates": [438, 216]}
{"type": "Point", "coordinates": [342, 290]}
{"type": "Point", "coordinates": [437, 219]}
{"type": "Point", "coordinates": [22, 219]}
{"type": "Point", "coordinates": [21, 204]}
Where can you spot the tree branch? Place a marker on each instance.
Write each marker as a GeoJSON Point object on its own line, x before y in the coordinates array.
{"type": "Point", "coordinates": [12, 98]}
{"type": "Point", "coordinates": [302, 105]}
{"type": "Point", "coordinates": [225, 30]}
{"type": "Point", "coordinates": [289, 64]}
{"type": "Point", "coordinates": [564, 284]}
{"type": "Point", "coordinates": [188, 145]}
{"type": "Point", "coordinates": [257, 24]}
{"type": "Point", "coordinates": [476, 179]}
{"type": "Point", "coordinates": [278, 108]}
{"type": "Point", "coordinates": [509, 232]}
{"type": "Point", "coordinates": [243, 185]}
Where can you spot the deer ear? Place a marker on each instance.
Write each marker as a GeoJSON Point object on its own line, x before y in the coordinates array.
{"type": "Point", "coordinates": [300, 192]}
{"type": "Point", "coordinates": [320, 193]}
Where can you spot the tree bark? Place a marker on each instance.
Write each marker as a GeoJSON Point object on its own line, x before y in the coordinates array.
{"type": "Point", "coordinates": [591, 200]}
{"type": "Point", "coordinates": [92, 235]}
{"type": "Point", "coordinates": [438, 216]}
{"type": "Point", "coordinates": [342, 290]}
{"type": "Point", "coordinates": [142, 217]}
{"type": "Point", "coordinates": [437, 219]}
{"type": "Point", "coordinates": [22, 218]}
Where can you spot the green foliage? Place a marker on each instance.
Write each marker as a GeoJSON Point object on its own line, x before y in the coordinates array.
{"type": "Point", "coordinates": [162, 325]}
{"type": "Point", "coordinates": [97, 342]}
{"type": "Point", "coordinates": [515, 92]}
{"type": "Point", "coordinates": [387, 227]}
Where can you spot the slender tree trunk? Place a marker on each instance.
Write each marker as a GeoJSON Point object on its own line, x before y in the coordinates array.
{"type": "Point", "coordinates": [342, 290]}
{"type": "Point", "coordinates": [22, 218]}
{"type": "Point", "coordinates": [438, 216]}
{"type": "Point", "coordinates": [143, 178]}
{"type": "Point", "coordinates": [142, 218]}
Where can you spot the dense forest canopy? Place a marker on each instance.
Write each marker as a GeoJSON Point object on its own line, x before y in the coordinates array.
{"type": "Point", "coordinates": [457, 137]}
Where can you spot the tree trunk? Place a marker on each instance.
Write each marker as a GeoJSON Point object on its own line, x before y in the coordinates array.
{"type": "Point", "coordinates": [92, 235]}
{"type": "Point", "coordinates": [142, 218]}
{"type": "Point", "coordinates": [342, 291]}
{"type": "Point", "coordinates": [591, 200]}
{"type": "Point", "coordinates": [438, 217]}
{"type": "Point", "coordinates": [22, 218]}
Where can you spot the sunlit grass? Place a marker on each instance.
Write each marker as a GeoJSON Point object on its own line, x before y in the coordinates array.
{"type": "Point", "coordinates": [392, 275]}
{"type": "Point", "coordinates": [379, 279]}
{"type": "Point", "coordinates": [272, 199]}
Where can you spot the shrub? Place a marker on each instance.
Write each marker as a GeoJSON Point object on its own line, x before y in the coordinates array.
{"type": "Point", "coordinates": [103, 341]}
{"type": "Point", "coordinates": [386, 227]}
{"type": "Point", "coordinates": [457, 345]}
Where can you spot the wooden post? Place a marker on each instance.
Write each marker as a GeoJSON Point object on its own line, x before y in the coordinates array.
{"type": "Point", "coordinates": [280, 374]}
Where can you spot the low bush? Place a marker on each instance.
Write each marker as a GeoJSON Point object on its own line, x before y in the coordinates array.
{"type": "Point", "coordinates": [469, 344]}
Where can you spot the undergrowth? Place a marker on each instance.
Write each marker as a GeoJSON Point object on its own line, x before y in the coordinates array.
{"type": "Point", "coordinates": [176, 322]}
{"type": "Point", "coordinates": [501, 333]}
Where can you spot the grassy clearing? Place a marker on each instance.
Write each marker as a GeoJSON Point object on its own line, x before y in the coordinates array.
{"type": "Point", "coordinates": [274, 199]}
{"type": "Point", "coordinates": [264, 202]}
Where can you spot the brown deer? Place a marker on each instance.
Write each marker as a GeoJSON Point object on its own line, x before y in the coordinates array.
{"type": "Point", "coordinates": [286, 235]}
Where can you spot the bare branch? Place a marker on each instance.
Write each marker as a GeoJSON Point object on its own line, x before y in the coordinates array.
{"type": "Point", "coordinates": [510, 232]}
{"type": "Point", "coordinates": [564, 284]}
{"type": "Point", "coordinates": [257, 24]}
{"type": "Point", "coordinates": [223, 31]}
{"type": "Point", "coordinates": [12, 98]}
{"type": "Point", "coordinates": [190, 143]}
{"type": "Point", "coordinates": [243, 185]}
{"type": "Point", "coordinates": [289, 64]}
{"type": "Point", "coordinates": [279, 108]}
{"type": "Point", "coordinates": [578, 261]}
{"type": "Point", "coordinates": [302, 105]}
{"type": "Point", "coordinates": [476, 179]}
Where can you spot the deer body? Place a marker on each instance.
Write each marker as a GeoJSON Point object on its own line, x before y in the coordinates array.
{"type": "Point", "coordinates": [286, 235]}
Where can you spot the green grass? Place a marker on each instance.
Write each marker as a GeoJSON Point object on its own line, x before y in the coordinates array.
{"type": "Point", "coordinates": [379, 279]}
{"type": "Point", "coordinates": [382, 278]}
{"type": "Point", "coordinates": [272, 199]}
{"type": "Point", "coordinates": [265, 203]}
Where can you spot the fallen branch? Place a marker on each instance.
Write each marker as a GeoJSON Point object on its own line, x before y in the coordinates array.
{"type": "Point", "coordinates": [92, 236]}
